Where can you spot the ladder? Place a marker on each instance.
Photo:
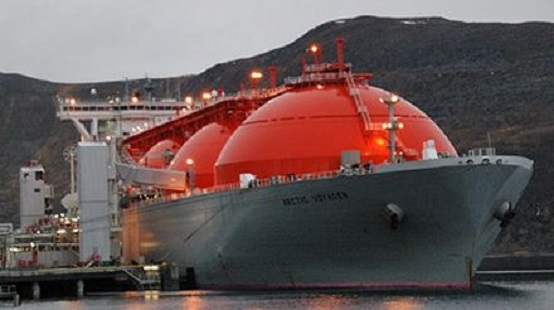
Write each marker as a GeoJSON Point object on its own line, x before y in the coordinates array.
{"type": "Point", "coordinates": [360, 106]}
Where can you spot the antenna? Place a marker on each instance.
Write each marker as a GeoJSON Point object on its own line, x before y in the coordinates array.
{"type": "Point", "coordinates": [148, 87]}
{"type": "Point", "coordinates": [489, 139]}
{"type": "Point", "coordinates": [273, 76]}
{"type": "Point", "coordinates": [340, 53]}
{"type": "Point", "coordinates": [178, 88]}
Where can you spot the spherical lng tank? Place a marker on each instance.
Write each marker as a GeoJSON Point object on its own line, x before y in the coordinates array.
{"type": "Point", "coordinates": [160, 154]}
{"type": "Point", "coordinates": [201, 151]}
{"type": "Point", "coordinates": [306, 130]}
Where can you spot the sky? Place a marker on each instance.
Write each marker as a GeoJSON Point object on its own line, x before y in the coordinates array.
{"type": "Point", "coordinates": [105, 40]}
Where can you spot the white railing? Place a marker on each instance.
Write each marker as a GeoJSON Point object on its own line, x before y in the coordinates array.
{"type": "Point", "coordinates": [315, 77]}
{"type": "Point", "coordinates": [325, 67]}
{"type": "Point", "coordinates": [266, 182]}
{"type": "Point", "coordinates": [99, 106]}
{"type": "Point", "coordinates": [107, 107]}
{"type": "Point", "coordinates": [488, 151]}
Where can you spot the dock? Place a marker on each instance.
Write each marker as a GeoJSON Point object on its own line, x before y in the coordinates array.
{"type": "Point", "coordinates": [519, 267]}
{"type": "Point", "coordinates": [10, 292]}
{"type": "Point", "coordinates": [77, 281]}
{"type": "Point", "coordinates": [514, 275]}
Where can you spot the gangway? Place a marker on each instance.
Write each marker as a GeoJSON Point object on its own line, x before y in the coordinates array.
{"type": "Point", "coordinates": [143, 176]}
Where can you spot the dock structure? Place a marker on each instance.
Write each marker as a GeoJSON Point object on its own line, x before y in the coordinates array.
{"type": "Point", "coordinates": [10, 292]}
{"type": "Point", "coordinates": [75, 282]}
{"type": "Point", "coordinates": [128, 116]}
{"type": "Point", "coordinates": [516, 267]}
{"type": "Point", "coordinates": [115, 135]}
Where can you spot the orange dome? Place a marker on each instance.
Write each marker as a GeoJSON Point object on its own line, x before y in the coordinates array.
{"type": "Point", "coordinates": [203, 148]}
{"type": "Point", "coordinates": [156, 156]}
{"type": "Point", "coordinates": [306, 130]}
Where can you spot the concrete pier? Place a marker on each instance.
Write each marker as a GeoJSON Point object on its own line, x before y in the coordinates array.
{"type": "Point", "coordinates": [36, 291]}
{"type": "Point", "coordinates": [80, 289]}
{"type": "Point", "coordinates": [72, 282]}
{"type": "Point", "coordinates": [169, 278]}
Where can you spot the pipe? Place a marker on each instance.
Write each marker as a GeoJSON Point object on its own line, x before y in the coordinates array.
{"type": "Point", "coordinates": [340, 53]}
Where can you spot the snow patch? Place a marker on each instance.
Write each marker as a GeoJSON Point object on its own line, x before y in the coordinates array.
{"type": "Point", "coordinates": [413, 22]}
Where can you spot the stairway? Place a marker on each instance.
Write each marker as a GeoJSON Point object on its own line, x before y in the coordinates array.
{"type": "Point", "coordinates": [360, 106]}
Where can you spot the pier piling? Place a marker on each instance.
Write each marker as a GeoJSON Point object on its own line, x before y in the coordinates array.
{"type": "Point", "coordinates": [36, 291]}
{"type": "Point", "coordinates": [80, 289]}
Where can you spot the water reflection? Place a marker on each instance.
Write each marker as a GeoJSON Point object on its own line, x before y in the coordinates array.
{"type": "Point", "coordinates": [402, 303]}
{"type": "Point", "coordinates": [193, 303]}
{"type": "Point", "coordinates": [151, 295]}
{"type": "Point", "coordinates": [505, 296]}
{"type": "Point", "coordinates": [325, 302]}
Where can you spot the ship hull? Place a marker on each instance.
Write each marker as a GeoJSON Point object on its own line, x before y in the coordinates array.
{"type": "Point", "coordinates": [335, 233]}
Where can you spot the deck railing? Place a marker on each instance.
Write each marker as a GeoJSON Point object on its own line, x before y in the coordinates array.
{"type": "Point", "coordinates": [265, 182]}
{"type": "Point", "coordinates": [110, 105]}
{"type": "Point", "coordinates": [488, 151]}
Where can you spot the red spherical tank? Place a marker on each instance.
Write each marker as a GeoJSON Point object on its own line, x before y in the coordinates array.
{"type": "Point", "coordinates": [307, 129]}
{"type": "Point", "coordinates": [160, 154]}
{"type": "Point", "coordinates": [202, 148]}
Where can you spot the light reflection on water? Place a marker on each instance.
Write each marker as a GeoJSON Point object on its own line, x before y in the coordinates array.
{"type": "Point", "coordinates": [499, 295]}
{"type": "Point", "coordinates": [402, 303]}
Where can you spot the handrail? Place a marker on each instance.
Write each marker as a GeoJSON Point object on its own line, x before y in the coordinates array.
{"type": "Point", "coordinates": [361, 107]}
{"type": "Point", "coordinates": [98, 105]}
{"type": "Point", "coordinates": [266, 182]}
{"type": "Point", "coordinates": [486, 151]}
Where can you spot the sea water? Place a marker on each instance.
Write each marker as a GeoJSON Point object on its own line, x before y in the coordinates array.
{"type": "Point", "coordinates": [492, 295]}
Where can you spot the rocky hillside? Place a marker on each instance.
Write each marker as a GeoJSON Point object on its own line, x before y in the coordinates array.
{"type": "Point", "coordinates": [471, 78]}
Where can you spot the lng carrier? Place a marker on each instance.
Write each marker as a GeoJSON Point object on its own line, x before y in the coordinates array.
{"type": "Point", "coordinates": [323, 182]}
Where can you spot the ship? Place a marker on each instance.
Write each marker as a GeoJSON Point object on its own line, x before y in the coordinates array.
{"type": "Point", "coordinates": [323, 182]}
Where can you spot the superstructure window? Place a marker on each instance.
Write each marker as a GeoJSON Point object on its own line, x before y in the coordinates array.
{"type": "Point", "coordinates": [37, 190]}
{"type": "Point", "coordinates": [39, 175]}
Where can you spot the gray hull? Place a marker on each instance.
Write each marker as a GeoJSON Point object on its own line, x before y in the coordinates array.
{"type": "Point", "coordinates": [332, 233]}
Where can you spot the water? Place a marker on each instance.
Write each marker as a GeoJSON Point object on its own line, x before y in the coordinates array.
{"type": "Point", "coordinates": [494, 295]}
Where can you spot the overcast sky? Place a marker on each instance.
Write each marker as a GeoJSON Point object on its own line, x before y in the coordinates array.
{"type": "Point", "coordinates": [98, 40]}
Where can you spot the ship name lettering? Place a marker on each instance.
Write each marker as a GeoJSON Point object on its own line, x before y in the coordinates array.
{"type": "Point", "coordinates": [317, 198]}
{"type": "Point", "coordinates": [330, 196]}
{"type": "Point", "coordinates": [293, 201]}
